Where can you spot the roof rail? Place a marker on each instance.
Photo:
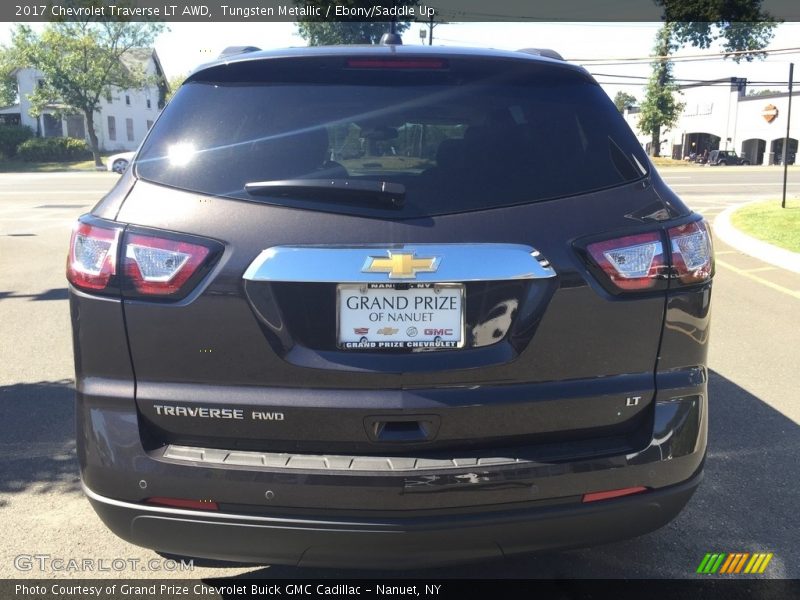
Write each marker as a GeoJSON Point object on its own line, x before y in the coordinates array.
{"type": "Point", "coordinates": [546, 52]}
{"type": "Point", "coordinates": [231, 50]}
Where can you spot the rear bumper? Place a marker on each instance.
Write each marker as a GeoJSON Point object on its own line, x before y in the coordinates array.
{"type": "Point", "coordinates": [390, 543]}
{"type": "Point", "coordinates": [398, 518]}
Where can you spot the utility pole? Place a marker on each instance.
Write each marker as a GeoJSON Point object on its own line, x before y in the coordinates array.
{"type": "Point", "coordinates": [786, 141]}
{"type": "Point", "coordinates": [430, 30]}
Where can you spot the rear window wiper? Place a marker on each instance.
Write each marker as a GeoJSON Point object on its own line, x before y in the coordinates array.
{"type": "Point", "coordinates": [389, 195]}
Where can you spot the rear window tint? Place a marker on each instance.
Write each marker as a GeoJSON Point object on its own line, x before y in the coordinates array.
{"type": "Point", "coordinates": [458, 140]}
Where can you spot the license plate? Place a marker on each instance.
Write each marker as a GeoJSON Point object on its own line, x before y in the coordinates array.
{"type": "Point", "coordinates": [391, 315]}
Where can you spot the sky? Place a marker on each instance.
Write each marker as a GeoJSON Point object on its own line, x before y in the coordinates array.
{"type": "Point", "coordinates": [186, 45]}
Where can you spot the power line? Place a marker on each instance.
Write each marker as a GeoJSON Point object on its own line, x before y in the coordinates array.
{"type": "Point", "coordinates": [684, 80]}
{"type": "Point", "coordinates": [690, 60]}
{"type": "Point", "coordinates": [684, 57]}
{"type": "Point", "coordinates": [598, 62]}
{"type": "Point", "coordinates": [722, 84]}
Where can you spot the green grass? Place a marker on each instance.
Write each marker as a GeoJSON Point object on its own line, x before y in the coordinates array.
{"type": "Point", "coordinates": [663, 161]}
{"type": "Point", "coordinates": [769, 222]}
{"type": "Point", "coordinates": [19, 166]}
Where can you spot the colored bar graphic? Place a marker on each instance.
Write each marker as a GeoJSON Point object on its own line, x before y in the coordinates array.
{"type": "Point", "coordinates": [757, 566]}
{"type": "Point", "coordinates": [717, 564]}
{"type": "Point", "coordinates": [732, 558]}
{"type": "Point", "coordinates": [741, 562]}
{"type": "Point", "coordinates": [703, 563]}
{"type": "Point", "coordinates": [734, 563]}
{"type": "Point", "coordinates": [765, 563]}
{"type": "Point", "coordinates": [749, 567]}
{"type": "Point", "coordinates": [710, 563]}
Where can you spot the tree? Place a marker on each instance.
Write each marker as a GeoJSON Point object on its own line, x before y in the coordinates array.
{"type": "Point", "coordinates": [322, 31]}
{"type": "Point", "coordinates": [8, 83]}
{"type": "Point", "coordinates": [623, 99]}
{"type": "Point", "coordinates": [744, 28]}
{"type": "Point", "coordinates": [81, 62]}
{"type": "Point", "coordinates": [660, 108]}
{"type": "Point", "coordinates": [762, 92]}
{"type": "Point", "coordinates": [174, 83]}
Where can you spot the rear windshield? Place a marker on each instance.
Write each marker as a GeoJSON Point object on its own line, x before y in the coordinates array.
{"type": "Point", "coordinates": [456, 138]}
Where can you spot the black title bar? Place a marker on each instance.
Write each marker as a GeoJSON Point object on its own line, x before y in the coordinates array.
{"type": "Point", "coordinates": [707, 588]}
{"type": "Point", "coordinates": [379, 10]}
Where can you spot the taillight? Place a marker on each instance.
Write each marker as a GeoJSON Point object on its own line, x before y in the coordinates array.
{"type": "Point", "coordinates": [397, 63]}
{"type": "Point", "coordinates": [634, 262]}
{"type": "Point", "coordinates": [692, 254]}
{"type": "Point", "coordinates": [92, 259]}
{"type": "Point", "coordinates": [640, 263]}
{"type": "Point", "coordinates": [160, 267]}
{"type": "Point", "coordinates": [163, 266]}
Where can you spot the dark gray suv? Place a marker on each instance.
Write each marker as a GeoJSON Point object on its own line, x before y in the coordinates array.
{"type": "Point", "coordinates": [363, 306]}
{"type": "Point", "coordinates": [726, 157]}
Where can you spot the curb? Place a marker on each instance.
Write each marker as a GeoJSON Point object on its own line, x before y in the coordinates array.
{"type": "Point", "coordinates": [779, 257]}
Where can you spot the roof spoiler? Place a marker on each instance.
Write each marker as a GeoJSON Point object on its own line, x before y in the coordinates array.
{"type": "Point", "coordinates": [546, 52]}
{"type": "Point", "coordinates": [231, 50]}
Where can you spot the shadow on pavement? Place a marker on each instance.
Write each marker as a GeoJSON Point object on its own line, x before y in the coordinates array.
{"type": "Point", "coordinates": [747, 503]}
{"type": "Point", "coordinates": [51, 294]}
{"type": "Point", "coordinates": [37, 430]}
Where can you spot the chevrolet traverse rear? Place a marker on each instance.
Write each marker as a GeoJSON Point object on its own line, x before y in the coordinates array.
{"type": "Point", "coordinates": [392, 307]}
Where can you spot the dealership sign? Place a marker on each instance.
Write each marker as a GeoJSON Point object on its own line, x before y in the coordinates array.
{"type": "Point", "coordinates": [769, 113]}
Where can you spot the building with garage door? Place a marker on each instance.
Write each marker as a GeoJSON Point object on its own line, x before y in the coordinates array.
{"type": "Point", "coordinates": [124, 116]}
{"type": "Point", "coordinates": [719, 115]}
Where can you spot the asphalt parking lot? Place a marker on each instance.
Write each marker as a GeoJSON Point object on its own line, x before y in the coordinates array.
{"type": "Point", "coordinates": [747, 503]}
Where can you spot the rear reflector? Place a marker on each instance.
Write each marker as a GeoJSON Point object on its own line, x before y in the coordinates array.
{"type": "Point", "coordinates": [160, 267]}
{"type": "Point", "coordinates": [692, 255]}
{"type": "Point", "coordinates": [183, 503]}
{"type": "Point", "coordinates": [92, 259]}
{"type": "Point", "coordinates": [389, 63]}
{"type": "Point", "coordinates": [595, 496]}
{"type": "Point", "coordinates": [634, 262]}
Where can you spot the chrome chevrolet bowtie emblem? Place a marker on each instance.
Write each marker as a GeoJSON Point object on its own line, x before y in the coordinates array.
{"type": "Point", "coordinates": [401, 265]}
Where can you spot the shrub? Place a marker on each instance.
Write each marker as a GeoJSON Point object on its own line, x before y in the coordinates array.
{"type": "Point", "coordinates": [12, 136]}
{"type": "Point", "coordinates": [53, 149]}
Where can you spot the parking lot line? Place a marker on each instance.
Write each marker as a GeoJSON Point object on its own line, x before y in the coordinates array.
{"type": "Point", "coordinates": [769, 284]}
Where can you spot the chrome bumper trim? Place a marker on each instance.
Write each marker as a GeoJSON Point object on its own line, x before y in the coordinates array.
{"type": "Point", "coordinates": [324, 462]}
{"type": "Point", "coordinates": [450, 263]}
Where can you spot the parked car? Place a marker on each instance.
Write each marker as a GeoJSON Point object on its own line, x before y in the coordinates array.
{"type": "Point", "coordinates": [119, 162]}
{"type": "Point", "coordinates": [726, 157]}
{"type": "Point", "coordinates": [470, 349]}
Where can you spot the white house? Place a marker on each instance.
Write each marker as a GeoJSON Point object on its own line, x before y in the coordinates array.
{"type": "Point", "coordinates": [122, 120]}
{"type": "Point", "coordinates": [719, 115]}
